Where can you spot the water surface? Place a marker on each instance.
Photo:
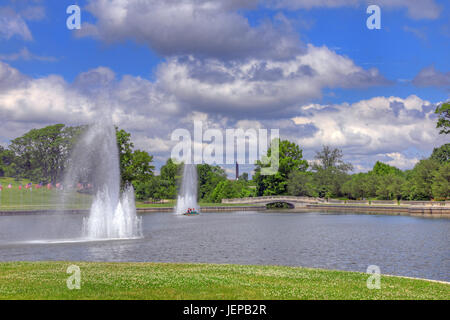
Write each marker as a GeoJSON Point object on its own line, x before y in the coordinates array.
{"type": "Point", "coordinates": [401, 245]}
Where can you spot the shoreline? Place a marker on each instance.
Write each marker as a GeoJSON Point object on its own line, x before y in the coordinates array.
{"type": "Point", "coordinates": [420, 211]}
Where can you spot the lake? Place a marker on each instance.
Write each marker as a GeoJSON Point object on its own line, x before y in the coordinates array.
{"type": "Point", "coordinates": [399, 245]}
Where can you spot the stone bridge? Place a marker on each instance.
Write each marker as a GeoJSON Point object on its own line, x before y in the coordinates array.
{"type": "Point", "coordinates": [293, 202]}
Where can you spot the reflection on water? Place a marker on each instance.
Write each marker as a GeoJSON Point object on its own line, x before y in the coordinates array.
{"type": "Point", "coordinates": [410, 246]}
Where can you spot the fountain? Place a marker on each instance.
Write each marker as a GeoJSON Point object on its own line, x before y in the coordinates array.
{"type": "Point", "coordinates": [187, 197]}
{"type": "Point", "coordinates": [95, 162]}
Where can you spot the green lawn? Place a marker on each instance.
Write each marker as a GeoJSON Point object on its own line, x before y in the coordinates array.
{"type": "Point", "coordinates": [47, 280]}
{"type": "Point", "coordinates": [37, 199]}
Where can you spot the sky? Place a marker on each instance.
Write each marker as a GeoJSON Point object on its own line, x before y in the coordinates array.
{"type": "Point", "coordinates": [310, 68]}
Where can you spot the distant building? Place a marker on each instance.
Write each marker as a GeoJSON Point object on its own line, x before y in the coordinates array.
{"type": "Point", "coordinates": [237, 170]}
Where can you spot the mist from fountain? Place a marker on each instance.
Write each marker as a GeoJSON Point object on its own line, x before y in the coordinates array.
{"type": "Point", "coordinates": [95, 162]}
{"type": "Point", "coordinates": [187, 196]}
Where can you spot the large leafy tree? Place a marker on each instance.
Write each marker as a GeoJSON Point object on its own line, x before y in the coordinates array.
{"type": "Point", "coordinates": [302, 184]}
{"type": "Point", "coordinates": [330, 171]}
{"type": "Point", "coordinates": [208, 178]}
{"type": "Point", "coordinates": [441, 182]}
{"type": "Point", "coordinates": [441, 154]}
{"type": "Point", "coordinates": [230, 189]}
{"type": "Point", "coordinates": [443, 122]}
{"type": "Point", "coordinates": [382, 169]}
{"type": "Point", "coordinates": [169, 180]}
{"type": "Point", "coordinates": [290, 160]}
{"type": "Point", "coordinates": [41, 154]}
{"type": "Point", "coordinates": [421, 179]}
{"type": "Point", "coordinates": [135, 165]}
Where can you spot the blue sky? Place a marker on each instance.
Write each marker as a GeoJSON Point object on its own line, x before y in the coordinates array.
{"type": "Point", "coordinates": [143, 63]}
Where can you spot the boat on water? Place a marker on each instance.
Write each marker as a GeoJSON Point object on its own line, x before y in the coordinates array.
{"type": "Point", "coordinates": [191, 212]}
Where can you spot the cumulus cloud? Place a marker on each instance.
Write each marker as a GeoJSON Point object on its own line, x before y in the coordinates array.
{"type": "Point", "coordinates": [431, 77]}
{"type": "Point", "coordinates": [262, 86]}
{"type": "Point", "coordinates": [201, 27]}
{"type": "Point", "coordinates": [416, 9]}
{"type": "Point", "coordinates": [152, 110]}
{"type": "Point", "coordinates": [370, 128]}
{"type": "Point", "coordinates": [399, 160]}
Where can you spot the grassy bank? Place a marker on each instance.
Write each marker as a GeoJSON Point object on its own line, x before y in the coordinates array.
{"type": "Point", "coordinates": [13, 199]}
{"type": "Point", "coordinates": [47, 280]}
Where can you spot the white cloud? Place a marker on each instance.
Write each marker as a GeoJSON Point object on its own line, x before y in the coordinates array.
{"type": "Point", "coordinates": [13, 24]}
{"type": "Point", "coordinates": [401, 161]}
{"type": "Point", "coordinates": [152, 110]}
{"type": "Point", "coordinates": [416, 9]}
{"type": "Point", "coordinates": [207, 28]}
{"type": "Point", "coordinates": [431, 77]}
{"type": "Point", "coordinates": [262, 86]}
{"type": "Point", "coordinates": [388, 126]}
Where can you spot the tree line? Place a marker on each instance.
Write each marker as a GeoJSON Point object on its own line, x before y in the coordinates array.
{"type": "Point", "coordinates": [41, 155]}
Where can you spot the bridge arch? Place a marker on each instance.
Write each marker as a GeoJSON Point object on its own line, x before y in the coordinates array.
{"type": "Point", "coordinates": [289, 204]}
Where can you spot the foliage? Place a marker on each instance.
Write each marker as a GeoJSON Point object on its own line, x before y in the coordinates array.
{"type": "Point", "coordinates": [244, 176]}
{"type": "Point", "coordinates": [382, 169]}
{"type": "Point", "coordinates": [41, 154]}
{"type": "Point", "coordinates": [169, 180]}
{"type": "Point", "coordinates": [330, 171]}
{"type": "Point", "coordinates": [135, 165]}
{"type": "Point", "coordinates": [441, 154]}
{"type": "Point", "coordinates": [302, 184]}
{"type": "Point", "coordinates": [231, 189]}
{"type": "Point", "coordinates": [422, 179]}
{"type": "Point", "coordinates": [208, 179]}
{"type": "Point", "coordinates": [290, 160]}
{"type": "Point", "coordinates": [441, 182]}
{"type": "Point", "coordinates": [444, 118]}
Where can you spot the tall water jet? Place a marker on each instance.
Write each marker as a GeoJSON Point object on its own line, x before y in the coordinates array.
{"type": "Point", "coordinates": [95, 163]}
{"type": "Point", "coordinates": [187, 196]}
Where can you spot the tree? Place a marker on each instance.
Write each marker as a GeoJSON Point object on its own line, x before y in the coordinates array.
{"type": "Point", "coordinates": [422, 179]}
{"type": "Point", "coordinates": [125, 147]}
{"type": "Point", "coordinates": [382, 169]}
{"type": "Point", "coordinates": [330, 171]}
{"type": "Point", "coordinates": [135, 165]}
{"type": "Point", "coordinates": [358, 186]}
{"type": "Point", "coordinates": [290, 160]}
{"type": "Point", "coordinates": [390, 187]}
{"type": "Point", "coordinates": [226, 189]}
{"type": "Point", "coordinates": [150, 188]}
{"type": "Point", "coordinates": [441, 154]}
{"type": "Point", "coordinates": [302, 184]}
{"type": "Point", "coordinates": [140, 168]}
{"type": "Point", "coordinates": [244, 176]}
{"type": "Point", "coordinates": [208, 178]}
{"type": "Point", "coordinates": [444, 118]}
{"type": "Point", "coordinates": [169, 178]}
{"type": "Point", "coordinates": [41, 154]}
{"type": "Point", "coordinates": [441, 182]}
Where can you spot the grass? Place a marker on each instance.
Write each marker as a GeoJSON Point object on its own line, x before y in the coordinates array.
{"type": "Point", "coordinates": [37, 199]}
{"type": "Point", "coordinates": [47, 280]}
